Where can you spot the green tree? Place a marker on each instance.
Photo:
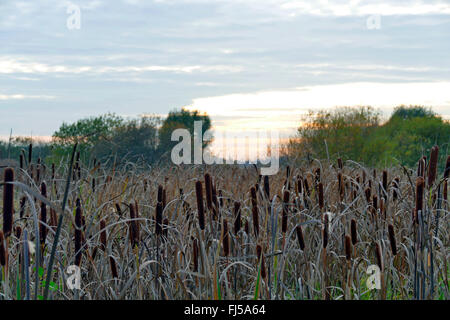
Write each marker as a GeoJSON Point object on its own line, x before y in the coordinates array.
{"type": "Point", "coordinates": [412, 132]}
{"type": "Point", "coordinates": [87, 131]}
{"type": "Point", "coordinates": [342, 132]}
{"type": "Point", "coordinates": [133, 140]}
{"type": "Point", "coordinates": [181, 119]}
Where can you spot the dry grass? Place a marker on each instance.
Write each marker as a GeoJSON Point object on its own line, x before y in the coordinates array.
{"type": "Point", "coordinates": [135, 233]}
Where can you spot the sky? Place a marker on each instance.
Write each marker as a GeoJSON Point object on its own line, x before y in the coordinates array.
{"type": "Point", "coordinates": [250, 64]}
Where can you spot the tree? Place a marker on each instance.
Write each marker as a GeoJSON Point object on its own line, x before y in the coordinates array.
{"type": "Point", "coordinates": [88, 130]}
{"type": "Point", "coordinates": [342, 132]}
{"type": "Point", "coordinates": [412, 132]}
{"type": "Point", "coordinates": [133, 140]}
{"type": "Point", "coordinates": [177, 120]}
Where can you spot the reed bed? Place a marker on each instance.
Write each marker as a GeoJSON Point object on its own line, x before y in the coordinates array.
{"type": "Point", "coordinates": [224, 232]}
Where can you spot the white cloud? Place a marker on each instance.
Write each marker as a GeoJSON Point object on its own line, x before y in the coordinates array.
{"type": "Point", "coordinates": [11, 65]}
{"type": "Point", "coordinates": [24, 96]}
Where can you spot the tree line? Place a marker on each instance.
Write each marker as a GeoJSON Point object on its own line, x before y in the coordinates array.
{"type": "Point", "coordinates": [361, 135]}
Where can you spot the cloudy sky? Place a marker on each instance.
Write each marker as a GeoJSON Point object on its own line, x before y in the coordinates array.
{"type": "Point", "coordinates": [248, 63]}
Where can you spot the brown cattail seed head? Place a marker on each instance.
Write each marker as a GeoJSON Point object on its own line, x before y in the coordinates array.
{"type": "Point", "coordinates": [385, 183]}
{"type": "Point", "coordinates": [118, 209]}
{"type": "Point", "coordinates": [113, 266]}
{"type": "Point", "coordinates": [420, 184]}
{"type": "Point", "coordinates": [246, 227]}
{"type": "Point", "coordinates": [340, 165]}
{"type": "Point", "coordinates": [195, 254]}
{"type": "Point", "coordinates": [133, 229]}
{"type": "Point", "coordinates": [306, 185]}
{"type": "Point", "coordinates": [321, 203]}
{"type": "Point", "coordinates": [267, 187]}
{"type": "Point", "coordinates": [301, 240]}
{"type": "Point", "coordinates": [325, 231]}
{"type": "Point", "coordinates": [353, 232]}
{"type": "Point", "coordinates": [200, 208]}
{"type": "Point", "coordinates": [379, 256]}
{"type": "Point", "coordinates": [392, 239]}
{"type": "Point", "coordinates": [432, 168]}
{"type": "Point", "coordinates": [367, 193]}
{"type": "Point", "coordinates": [348, 247]}
{"type": "Point", "coordinates": [160, 193]}
{"type": "Point", "coordinates": [208, 188]}
{"type": "Point", "coordinates": [8, 202]}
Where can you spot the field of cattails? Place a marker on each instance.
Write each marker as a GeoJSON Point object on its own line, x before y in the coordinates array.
{"type": "Point", "coordinates": [316, 230]}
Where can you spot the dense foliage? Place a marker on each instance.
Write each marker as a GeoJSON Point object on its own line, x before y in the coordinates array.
{"type": "Point", "coordinates": [360, 135]}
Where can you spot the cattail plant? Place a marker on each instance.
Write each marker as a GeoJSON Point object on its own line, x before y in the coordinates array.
{"type": "Point", "coordinates": [43, 217]}
{"type": "Point", "coordinates": [8, 202]}
{"type": "Point", "coordinates": [133, 227]}
{"type": "Point", "coordinates": [353, 232]}
{"type": "Point", "coordinates": [432, 168]}
{"type": "Point", "coordinates": [208, 189]}
{"type": "Point", "coordinates": [420, 185]}
{"type": "Point", "coordinates": [325, 231]}
{"type": "Point", "coordinates": [301, 241]}
{"type": "Point", "coordinates": [392, 239]}
{"type": "Point", "coordinates": [200, 208]}
{"type": "Point", "coordinates": [340, 165]}
{"type": "Point", "coordinates": [158, 219]}
{"type": "Point", "coordinates": [30, 153]}
{"type": "Point", "coordinates": [195, 254]}
{"type": "Point", "coordinates": [260, 255]}
{"type": "Point", "coordinates": [379, 256]}
{"type": "Point", "coordinates": [348, 247]}
{"type": "Point", "coordinates": [321, 202]}
{"type": "Point", "coordinates": [367, 192]}
{"type": "Point", "coordinates": [78, 232]}
{"type": "Point", "coordinates": [267, 187]}
{"type": "Point", "coordinates": [113, 267]}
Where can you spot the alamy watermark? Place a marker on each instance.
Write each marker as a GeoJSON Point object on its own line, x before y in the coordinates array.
{"type": "Point", "coordinates": [74, 20]}
{"type": "Point", "coordinates": [258, 147]}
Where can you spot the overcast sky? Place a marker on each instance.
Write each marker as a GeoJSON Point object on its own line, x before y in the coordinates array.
{"type": "Point", "coordinates": [249, 63]}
